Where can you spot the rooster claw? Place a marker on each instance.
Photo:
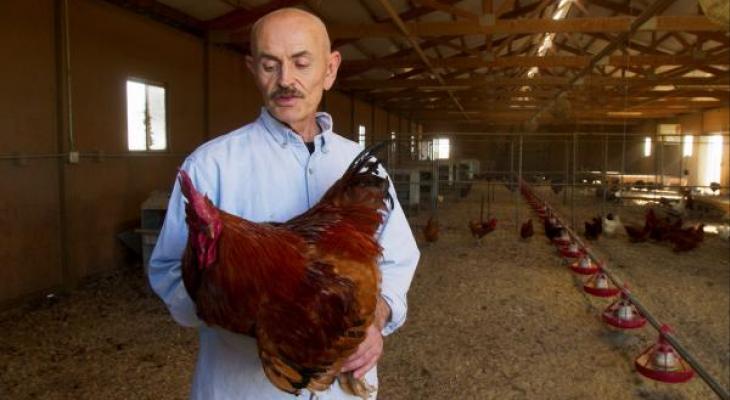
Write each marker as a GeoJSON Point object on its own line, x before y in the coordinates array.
{"type": "Point", "coordinates": [356, 387]}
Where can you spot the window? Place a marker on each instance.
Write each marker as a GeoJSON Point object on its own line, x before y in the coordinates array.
{"type": "Point", "coordinates": [687, 146]}
{"type": "Point", "coordinates": [441, 148]}
{"type": "Point", "coordinates": [711, 160]}
{"type": "Point", "coordinates": [413, 147]}
{"type": "Point", "coordinates": [146, 125]}
{"type": "Point", "coordinates": [394, 143]}
{"type": "Point", "coordinates": [647, 146]}
{"type": "Point", "coordinates": [361, 135]}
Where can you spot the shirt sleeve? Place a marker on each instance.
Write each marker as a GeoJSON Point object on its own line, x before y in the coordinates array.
{"type": "Point", "coordinates": [165, 273]}
{"type": "Point", "coordinates": [400, 258]}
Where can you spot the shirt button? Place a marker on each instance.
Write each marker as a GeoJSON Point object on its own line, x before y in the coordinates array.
{"type": "Point", "coordinates": [311, 171]}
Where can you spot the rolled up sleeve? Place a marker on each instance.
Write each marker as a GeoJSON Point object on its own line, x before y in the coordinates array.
{"type": "Point", "coordinates": [400, 258]}
{"type": "Point", "coordinates": [165, 273]}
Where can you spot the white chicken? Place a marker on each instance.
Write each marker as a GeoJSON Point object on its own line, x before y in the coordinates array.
{"type": "Point", "coordinates": [723, 231]}
{"type": "Point", "coordinates": [611, 224]}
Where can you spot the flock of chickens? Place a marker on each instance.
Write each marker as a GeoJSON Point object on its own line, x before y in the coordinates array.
{"type": "Point", "coordinates": [668, 229]}
{"type": "Point", "coordinates": [478, 227]}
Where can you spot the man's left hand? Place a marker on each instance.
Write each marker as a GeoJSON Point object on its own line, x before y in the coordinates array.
{"type": "Point", "coordinates": [367, 354]}
{"type": "Point", "coordinates": [370, 350]}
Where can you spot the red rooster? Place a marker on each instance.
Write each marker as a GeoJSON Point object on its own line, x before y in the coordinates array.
{"type": "Point", "coordinates": [306, 289]}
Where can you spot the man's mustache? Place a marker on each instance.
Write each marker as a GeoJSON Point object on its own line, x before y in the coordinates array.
{"type": "Point", "coordinates": [286, 92]}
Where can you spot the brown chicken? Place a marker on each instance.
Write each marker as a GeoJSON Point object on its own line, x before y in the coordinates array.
{"type": "Point", "coordinates": [637, 234]}
{"type": "Point", "coordinates": [688, 238]}
{"type": "Point", "coordinates": [306, 289]}
{"type": "Point", "coordinates": [527, 230]}
{"type": "Point", "coordinates": [480, 228]}
{"type": "Point", "coordinates": [431, 230]}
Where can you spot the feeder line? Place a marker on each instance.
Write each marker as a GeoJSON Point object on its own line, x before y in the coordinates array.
{"type": "Point", "coordinates": [693, 362]}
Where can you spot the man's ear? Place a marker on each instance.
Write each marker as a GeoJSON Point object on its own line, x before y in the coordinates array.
{"type": "Point", "coordinates": [333, 64]}
{"type": "Point", "coordinates": [250, 65]}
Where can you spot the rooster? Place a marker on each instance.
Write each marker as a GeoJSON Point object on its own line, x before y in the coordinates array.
{"type": "Point", "coordinates": [306, 289]}
{"type": "Point", "coordinates": [688, 238]}
{"type": "Point", "coordinates": [431, 230]}
{"type": "Point", "coordinates": [526, 230]}
{"type": "Point", "coordinates": [636, 234]}
{"type": "Point", "coordinates": [480, 228]}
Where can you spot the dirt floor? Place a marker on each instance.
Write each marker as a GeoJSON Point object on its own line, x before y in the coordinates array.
{"type": "Point", "coordinates": [504, 320]}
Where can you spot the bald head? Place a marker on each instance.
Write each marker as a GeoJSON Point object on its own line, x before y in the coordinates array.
{"type": "Point", "coordinates": [293, 64]}
{"type": "Point", "coordinates": [287, 19]}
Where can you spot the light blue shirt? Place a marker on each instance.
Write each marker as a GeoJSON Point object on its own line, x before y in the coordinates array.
{"type": "Point", "coordinates": [264, 172]}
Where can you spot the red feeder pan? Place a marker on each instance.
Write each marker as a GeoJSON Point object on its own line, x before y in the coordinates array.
{"type": "Point", "coordinates": [570, 251]}
{"type": "Point", "coordinates": [600, 286]}
{"type": "Point", "coordinates": [662, 363]}
{"type": "Point", "coordinates": [584, 266]}
{"type": "Point", "coordinates": [623, 314]}
{"type": "Point", "coordinates": [562, 240]}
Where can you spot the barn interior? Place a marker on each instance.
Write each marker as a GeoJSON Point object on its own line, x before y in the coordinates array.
{"type": "Point", "coordinates": [554, 111]}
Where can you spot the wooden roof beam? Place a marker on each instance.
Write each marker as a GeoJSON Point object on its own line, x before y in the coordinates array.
{"type": "Point", "coordinates": [490, 81]}
{"type": "Point", "coordinates": [537, 61]}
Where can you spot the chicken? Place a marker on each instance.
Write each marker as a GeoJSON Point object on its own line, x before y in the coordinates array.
{"type": "Point", "coordinates": [306, 289]}
{"type": "Point", "coordinates": [479, 228]}
{"type": "Point", "coordinates": [593, 229]}
{"type": "Point", "coordinates": [637, 234]}
{"type": "Point", "coordinates": [526, 230]}
{"type": "Point", "coordinates": [431, 230]}
{"type": "Point", "coordinates": [723, 231]}
{"type": "Point", "coordinates": [611, 224]}
{"type": "Point", "coordinates": [688, 238]}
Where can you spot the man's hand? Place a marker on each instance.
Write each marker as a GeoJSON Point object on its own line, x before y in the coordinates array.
{"type": "Point", "coordinates": [370, 350]}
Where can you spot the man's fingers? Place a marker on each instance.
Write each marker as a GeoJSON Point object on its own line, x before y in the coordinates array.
{"type": "Point", "coordinates": [360, 372]}
{"type": "Point", "coordinates": [355, 363]}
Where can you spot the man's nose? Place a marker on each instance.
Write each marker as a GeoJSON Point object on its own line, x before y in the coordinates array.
{"type": "Point", "coordinates": [286, 76]}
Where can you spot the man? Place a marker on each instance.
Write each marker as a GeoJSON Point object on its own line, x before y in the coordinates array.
{"type": "Point", "coordinates": [272, 170]}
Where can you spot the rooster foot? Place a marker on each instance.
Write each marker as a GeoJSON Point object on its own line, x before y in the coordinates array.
{"type": "Point", "coordinates": [356, 387]}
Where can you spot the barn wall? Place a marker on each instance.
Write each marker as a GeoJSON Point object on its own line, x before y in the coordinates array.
{"type": "Point", "coordinates": [63, 218]}
{"type": "Point", "coordinates": [339, 106]}
{"type": "Point", "coordinates": [30, 252]}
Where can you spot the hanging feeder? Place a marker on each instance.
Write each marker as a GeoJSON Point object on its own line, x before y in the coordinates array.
{"type": "Point", "coordinates": [571, 251]}
{"type": "Point", "coordinates": [623, 314]}
{"type": "Point", "coordinates": [600, 286]}
{"type": "Point", "coordinates": [662, 363]}
{"type": "Point", "coordinates": [563, 239]}
{"type": "Point", "coordinates": [584, 266]}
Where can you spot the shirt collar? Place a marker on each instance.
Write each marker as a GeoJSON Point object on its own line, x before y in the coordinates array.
{"type": "Point", "coordinates": [283, 135]}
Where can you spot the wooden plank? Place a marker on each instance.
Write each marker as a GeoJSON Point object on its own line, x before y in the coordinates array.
{"type": "Point", "coordinates": [492, 81]}
{"type": "Point", "coordinates": [527, 25]}
{"type": "Point", "coordinates": [535, 61]}
{"type": "Point", "coordinates": [241, 18]}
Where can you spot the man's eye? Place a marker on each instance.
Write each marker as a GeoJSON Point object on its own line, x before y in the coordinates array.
{"type": "Point", "coordinates": [268, 67]}
{"type": "Point", "coordinates": [302, 64]}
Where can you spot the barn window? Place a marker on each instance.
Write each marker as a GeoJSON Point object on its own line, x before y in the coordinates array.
{"type": "Point", "coordinates": [441, 148]}
{"type": "Point", "coordinates": [687, 146]}
{"type": "Point", "coordinates": [647, 146]}
{"type": "Point", "coordinates": [393, 143]}
{"type": "Point", "coordinates": [146, 117]}
{"type": "Point", "coordinates": [413, 147]}
{"type": "Point", "coordinates": [361, 135]}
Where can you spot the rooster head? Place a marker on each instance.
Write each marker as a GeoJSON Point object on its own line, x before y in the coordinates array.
{"type": "Point", "coordinates": [204, 223]}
